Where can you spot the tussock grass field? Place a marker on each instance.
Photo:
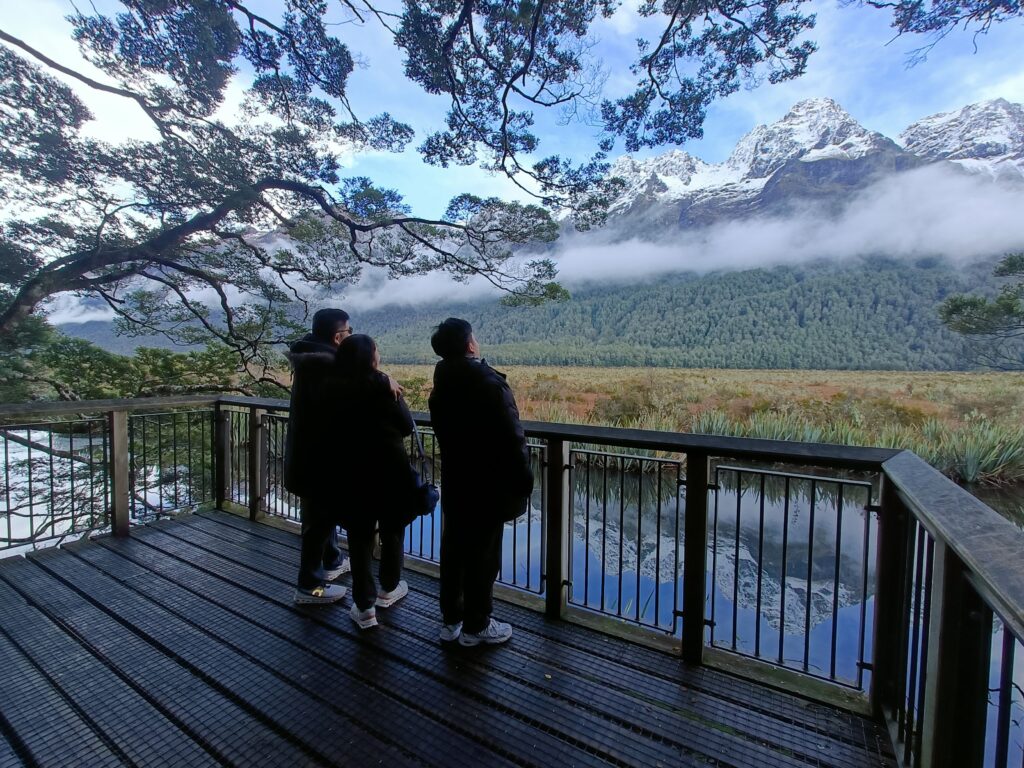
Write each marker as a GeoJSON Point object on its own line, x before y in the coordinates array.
{"type": "Point", "coordinates": [969, 425]}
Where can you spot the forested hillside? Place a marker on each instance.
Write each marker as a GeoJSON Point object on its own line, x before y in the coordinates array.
{"type": "Point", "coordinates": [872, 314]}
{"type": "Point", "coordinates": [868, 314]}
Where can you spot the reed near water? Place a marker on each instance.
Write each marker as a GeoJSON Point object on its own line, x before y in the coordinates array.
{"type": "Point", "coordinates": [968, 425]}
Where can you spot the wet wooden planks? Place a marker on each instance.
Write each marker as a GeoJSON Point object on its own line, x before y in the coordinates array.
{"type": "Point", "coordinates": [180, 645]}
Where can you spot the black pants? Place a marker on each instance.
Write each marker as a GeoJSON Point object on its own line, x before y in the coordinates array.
{"type": "Point", "coordinates": [392, 557]}
{"type": "Point", "coordinates": [470, 559]}
{"type": "Point", "coordinates": [319, 542]}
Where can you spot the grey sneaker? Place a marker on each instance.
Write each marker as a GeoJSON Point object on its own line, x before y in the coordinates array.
{"type": "Point", "coordinates": [364, 619]}
{"type": "Point", "coordinates": [450, 632]}
{"type": "Point", "coordinates": [387, 599]}
{"type": "Point", "coordinates": [326, 593]}
{"type": "Point", "coordinates": [330, 574]}
{"type": "Point", "coordinates": [494, 633]}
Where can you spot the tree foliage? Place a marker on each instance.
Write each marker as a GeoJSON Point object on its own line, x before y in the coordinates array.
{"type": "Point", "coordinates": [165, 231]}
{"type": "Point", "coordinates": [39, 362]}
{"type": "Point", "coordinates": [995, 325]}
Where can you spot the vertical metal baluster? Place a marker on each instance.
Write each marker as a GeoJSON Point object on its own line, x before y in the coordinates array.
{"type": "Point", "coordinates": [71, 466]}
{"type": "Point", "coordinates": [926, 588]}
{"type": "Point", "coordinates": [515, 544]}
{"type": "Point", "coordinates": [835, 582]}
{"type": "Point", "coordinates": [736, 560]}
{"type": "Point", "coordinates": [864, 591]}
{"type": "Point", "coordinates": [905, 628]}
{"type": "Point", "coordinates": [31, 491]}
{"type": "Point", "coordinates": [810, 575]}
{"type": "Point", "coordinates": [760, 569]}
{"type": "Point", "coordinates": [678, 569]}
{"type": "Point", "coordinates": [53, 489]}
{"type": "Point", "coordinates": [782, 580]}
{"type": "Point", "coordinates": [529, 531]}
{"type": "Point", "coordinates": [7, 488]}
{"type": "Point", "coordinates": [433, 463]}
{"type": "Point", "coordinates": [92, 479]}
{"type": "Point", "coordinates": [107, 437]}
{"type": "Point", "coordinates": [622, 526]}
{"type": "Point", "coordinates": [604, 529]}
{"type": "Point", "coordinates": [159, 460]}
{"type": "Point", "coordinates": [639, 532]}
{"type": "Point", "coordinates": [145, 463]}
{"type": "Point", "coordinates": [714, 554]}
{"type": "Point", "coordinates": [586, 543]}
{"type": "Point", "coordinates": [189, 424]}
{"type": "Point", "coordinates": [174, 457]}
{"type": "Point", "coordinates": [657, 548]}
{"type": "Point", "coordinates": [911, 713]}
{"type": "Point", "coordinates": [1005, 700]}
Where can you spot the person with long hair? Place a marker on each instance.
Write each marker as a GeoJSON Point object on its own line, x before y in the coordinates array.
{"type": "Point", "coordinates": [373, 474]}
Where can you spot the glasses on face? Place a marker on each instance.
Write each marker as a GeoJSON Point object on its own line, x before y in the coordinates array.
{"type": "Point", "coordinates": [347, 331]}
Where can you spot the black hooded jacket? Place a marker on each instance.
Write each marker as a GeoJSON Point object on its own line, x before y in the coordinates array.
{"type": "Point", "coordinates": [473, 412]}
{"type": "Point", "coordinates": [345, 436]}
{"type": "Point", "coordinates": [307, 441]}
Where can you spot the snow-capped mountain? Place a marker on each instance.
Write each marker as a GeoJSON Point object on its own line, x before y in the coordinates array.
{"type": "Point", "coordinates": [987, 137]}
{"type": "Point", "coordinates": [817, 154]}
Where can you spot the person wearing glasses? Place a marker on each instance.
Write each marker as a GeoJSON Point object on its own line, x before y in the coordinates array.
{"type": "Point", "coordinates": [306, 469]}
{"type": "Point", "coordinates": [486, 480]}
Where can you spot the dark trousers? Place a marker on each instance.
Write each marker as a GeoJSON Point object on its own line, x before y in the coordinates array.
{"type": "Point", "coordinates": [470, 559]}
{"type": "Point", "coordinates": [319, 542]}
{"type": "Point", "coordinates": [392, 557]}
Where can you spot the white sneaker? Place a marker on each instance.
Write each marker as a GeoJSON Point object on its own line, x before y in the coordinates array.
{"type": "Point", "coordinates": [327, 593]}
{"type": "Point", "coordinates": [364, 619]}
{"type": "Point", "coordinates": [450, 632]}
{"type": "Point", "coordinates": [387, 599]}
{"type": "Point", "coordinates": [494, 633]}
{"type": "Point", "coordinates": [330, 574]}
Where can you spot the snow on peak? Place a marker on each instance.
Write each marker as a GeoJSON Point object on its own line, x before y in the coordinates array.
{"type": "Point", "coordinates": [813, 129]}
{"type": "Point", "coordinates": [987, 136]}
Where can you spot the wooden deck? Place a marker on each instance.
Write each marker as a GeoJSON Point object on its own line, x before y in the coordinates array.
{"type": "Point", "coordinates": [180, 646]}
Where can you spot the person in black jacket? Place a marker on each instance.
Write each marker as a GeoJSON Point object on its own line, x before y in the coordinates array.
{"type": "Point", "coordinates": [372, 473]}
{"type": "Point", "coordinates": [306, 460]}
{"type": "Point", "coordinates": [486, 480]}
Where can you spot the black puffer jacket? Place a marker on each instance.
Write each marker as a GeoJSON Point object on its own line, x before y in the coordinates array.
{"type": "Point", "coordinates": [483, 449]}
{"type": "Point", "coordinates": [308, 441]}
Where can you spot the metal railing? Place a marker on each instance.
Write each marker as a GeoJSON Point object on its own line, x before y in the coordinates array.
{"type": "Point", "coordinates": [73, 468]}
{"type": "Point", "coordinates": [865, 568]}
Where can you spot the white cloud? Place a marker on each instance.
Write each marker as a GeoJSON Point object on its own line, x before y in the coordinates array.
{"type": "Point", "coordinates": [933, 211]}
{"type": "Point", "coordinates": [67, 308]}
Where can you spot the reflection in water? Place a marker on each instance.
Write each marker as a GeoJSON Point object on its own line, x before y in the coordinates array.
{"type": "Point", "coordinates": [791, 578]}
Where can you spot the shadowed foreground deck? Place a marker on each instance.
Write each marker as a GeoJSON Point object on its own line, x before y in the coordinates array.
{"type": "Point", "coordinates": [180, 646]}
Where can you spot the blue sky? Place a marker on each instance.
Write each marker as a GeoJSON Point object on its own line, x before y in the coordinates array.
{"type": "Point", "coordinates": [859, 64]}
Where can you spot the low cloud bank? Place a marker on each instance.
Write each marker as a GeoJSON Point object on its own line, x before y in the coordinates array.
{"type": "Point", "coordinates": [933, 211]}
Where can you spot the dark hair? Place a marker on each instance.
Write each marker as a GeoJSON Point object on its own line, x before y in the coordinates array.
{"type": "Point", "coordinates": [355, 356]}
{"type": "Point", "coordinates": [451, 339]}
{"type": "Point", "coordinates": [326, 323]}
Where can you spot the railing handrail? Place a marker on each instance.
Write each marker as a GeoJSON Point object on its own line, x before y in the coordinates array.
{"type": "Point", "coordinates": [990, 546]}
{"type": "Point", "coordinates": [132, 404]}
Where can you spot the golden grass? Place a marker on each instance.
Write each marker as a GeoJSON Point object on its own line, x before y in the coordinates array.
{"type": "Point", "coordinates": [967, 424]}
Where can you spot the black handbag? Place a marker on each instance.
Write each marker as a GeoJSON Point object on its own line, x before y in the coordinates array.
{"type": "Point", "coordinates": [425, 494]}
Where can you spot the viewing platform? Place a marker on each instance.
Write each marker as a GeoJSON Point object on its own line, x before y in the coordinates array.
{"type": "Point", "coordinates": [179, 645]}
{"type": "Point", "coordinates": [676, 600]}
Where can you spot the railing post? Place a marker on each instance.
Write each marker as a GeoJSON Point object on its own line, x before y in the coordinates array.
{"type": "Point", "coordinates": [222, 455]}
{"type": "Point", "coordinates": [957, 669]}
{"type": "Point", "coordinates": [695, 556]}
{"type": "Point", "coordinates": [890, 601]}
{"type": "Point", "coordinates": [255, 455]}
{"type": "Point", "coordinates": [119, 481]}
{"type": "Point", "coordinates": [556, 511]}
